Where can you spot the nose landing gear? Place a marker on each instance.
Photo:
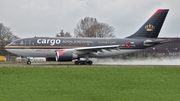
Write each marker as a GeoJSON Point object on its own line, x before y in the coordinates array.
{"type": "Point", "coordinates": [29, 62]}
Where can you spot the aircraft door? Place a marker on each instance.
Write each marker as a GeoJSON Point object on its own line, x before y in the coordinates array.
{"type": "Point", "coordinates": [27, 43]}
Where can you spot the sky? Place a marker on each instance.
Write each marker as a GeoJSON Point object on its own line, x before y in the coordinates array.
{"type": "Point", "coordinates": [29, 18]}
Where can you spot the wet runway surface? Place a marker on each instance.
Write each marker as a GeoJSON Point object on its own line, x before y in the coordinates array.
{"type": "Point", "coordinates": [99, 63]}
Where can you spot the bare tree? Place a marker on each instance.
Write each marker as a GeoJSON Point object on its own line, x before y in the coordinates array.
{"type": "Point", "coordinates": [6, 37]}
{"type": "Point", "coordinates": [104, 30]}
{"type": "Point", "coordinates": [90, 27]}
{"type": "Point", "coordinates": [62, 34]}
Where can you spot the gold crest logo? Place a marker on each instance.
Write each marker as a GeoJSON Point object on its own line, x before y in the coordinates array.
{"type": "Point", "coordinates": [149, 28]}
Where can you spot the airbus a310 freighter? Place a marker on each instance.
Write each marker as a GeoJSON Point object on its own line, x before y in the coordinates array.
{"type": "Point", "coordinates": [68, 49]}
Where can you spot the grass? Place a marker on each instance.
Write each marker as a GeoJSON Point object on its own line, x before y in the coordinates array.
{"type": "Point", "coordinates": [101, 83]}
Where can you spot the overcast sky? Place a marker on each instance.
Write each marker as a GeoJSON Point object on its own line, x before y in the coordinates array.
{"type": "Point", "coordinates": [29, 18]}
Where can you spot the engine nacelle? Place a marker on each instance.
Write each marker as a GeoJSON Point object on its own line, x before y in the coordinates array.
{"type": "Point", "coordinates": [65, 56]}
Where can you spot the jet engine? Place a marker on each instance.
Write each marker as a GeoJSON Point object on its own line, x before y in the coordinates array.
{"type": "Point", "coordinates": [65, 56]}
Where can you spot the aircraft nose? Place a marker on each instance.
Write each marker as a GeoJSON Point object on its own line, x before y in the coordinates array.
{"type": "Point", "coordinates": [6, 47]}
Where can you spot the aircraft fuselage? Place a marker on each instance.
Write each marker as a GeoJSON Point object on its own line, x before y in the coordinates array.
{"type": "Point", "coordinates": [46, 46]}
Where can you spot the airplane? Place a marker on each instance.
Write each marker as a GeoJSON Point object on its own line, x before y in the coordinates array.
{"type": "Point", "coordinates": [69, 49]}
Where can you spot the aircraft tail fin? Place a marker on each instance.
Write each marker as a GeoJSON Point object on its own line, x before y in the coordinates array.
{"type": "Point", "coordinates": [152, 26]}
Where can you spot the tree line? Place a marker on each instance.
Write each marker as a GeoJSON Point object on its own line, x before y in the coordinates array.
{"type": "Point", "coordinates": [87, 27]}
{"type": "Point", "coordinates": [90, 27]}
{"type": "Point", "coordinates": [6, 37]}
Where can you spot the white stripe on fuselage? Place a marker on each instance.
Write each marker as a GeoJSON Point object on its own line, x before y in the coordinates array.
{"type": "Point", "coordinates": [51, 52]}
{"type": "Point", "coordinates": [34, 52]}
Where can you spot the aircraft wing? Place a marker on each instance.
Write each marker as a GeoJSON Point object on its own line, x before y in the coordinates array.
{"type": "Point", "coordinates": [86, 50]}
{"type": "Point", "coordinates": [96, 49]}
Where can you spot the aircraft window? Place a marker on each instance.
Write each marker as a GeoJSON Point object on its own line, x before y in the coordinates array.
{"type": "Point", "coordinates": [14, 43]}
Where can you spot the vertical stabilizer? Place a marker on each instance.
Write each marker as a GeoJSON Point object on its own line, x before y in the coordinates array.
{"type": "Point", "coordinates": [153, 26]}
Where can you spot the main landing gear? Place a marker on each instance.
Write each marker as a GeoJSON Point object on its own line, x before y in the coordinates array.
{"type": "Point", "coordinates": [80, 62]}
{"type": "Point", "coordinates": [83, 62]}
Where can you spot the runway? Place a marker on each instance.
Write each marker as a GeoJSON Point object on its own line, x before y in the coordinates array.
{"type": "Point", "coordinates": [100, 63]}
{"type": "Point", "coordinates": [147, 61]}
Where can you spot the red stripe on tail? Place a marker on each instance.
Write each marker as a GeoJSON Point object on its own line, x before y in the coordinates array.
{"type": "Point", "coordinates": [158, 11]}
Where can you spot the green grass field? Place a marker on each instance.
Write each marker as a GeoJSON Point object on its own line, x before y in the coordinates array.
{"type": "Point", "coordinates": [101, 83]}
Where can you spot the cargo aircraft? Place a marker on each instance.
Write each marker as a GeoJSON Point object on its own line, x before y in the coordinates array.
{"type": "Point", "coordinates": [82, 49]}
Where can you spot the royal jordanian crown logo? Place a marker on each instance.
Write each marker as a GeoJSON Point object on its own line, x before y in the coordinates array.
{"type": "Point", "coordinates": [149, 28]}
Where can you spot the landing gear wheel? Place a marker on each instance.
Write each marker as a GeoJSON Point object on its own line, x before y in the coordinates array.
{"type": "Point", "coordinates": [76, 62]}
{"type": "Point", "coordinates": [29, 62]}
{"type": "Point", "coordinates": [89, 62]}
{"type": "Point", "coordinates": [79, 62]}
{"type": "Point", "coordinates": [84, 62]}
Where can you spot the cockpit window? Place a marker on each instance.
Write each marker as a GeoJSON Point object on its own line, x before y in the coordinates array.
{"type": "Point", "coordinates": [14, 43]}
{"type": "Point", "coordinates": [17, 42]}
